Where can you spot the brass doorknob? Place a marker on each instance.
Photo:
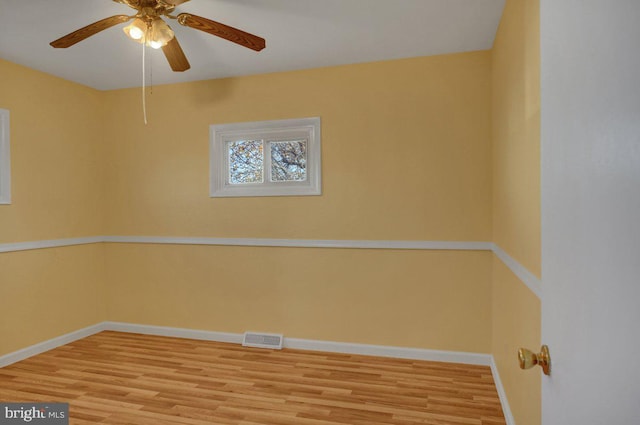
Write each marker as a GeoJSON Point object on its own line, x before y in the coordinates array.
{"type": "Point", "coordinates": [528, 359]}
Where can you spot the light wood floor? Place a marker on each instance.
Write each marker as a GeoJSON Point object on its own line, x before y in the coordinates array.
{"type": "Point", "coordinates": [118, 378]}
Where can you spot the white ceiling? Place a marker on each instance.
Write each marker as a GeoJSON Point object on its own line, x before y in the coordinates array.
{"type": "Point", "coordinates": [300, 34]}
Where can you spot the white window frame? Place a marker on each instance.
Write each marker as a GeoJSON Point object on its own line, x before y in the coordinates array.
{"type": "Point", "coordinates": [279, 130]}
{"type": "Point", "coordinates": [5, 159]}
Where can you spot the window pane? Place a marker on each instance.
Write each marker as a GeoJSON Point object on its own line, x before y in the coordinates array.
{"type": "Point", "coordinates": [289, 161]}
{"type": "Point", "coordinates": [246, 159]}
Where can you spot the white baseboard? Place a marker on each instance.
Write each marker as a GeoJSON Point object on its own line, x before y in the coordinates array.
{"type": "Point", "coordinates": [174, 332]}
{"type": "Point", "coordinates": [389, 351]}
{"type": "Point", "coordinates": [39, 348]}
{"type": "Point", "coordinates": [302, 344]}
{"type": "Point", "coordinates": [312, 345]}
{"type": "Point", "coordinates": [506, 409]}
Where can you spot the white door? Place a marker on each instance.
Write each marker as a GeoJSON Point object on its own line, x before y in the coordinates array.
{"type": "Point", "coordinates": [591, 210]}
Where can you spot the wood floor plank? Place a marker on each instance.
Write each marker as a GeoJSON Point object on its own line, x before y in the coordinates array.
{"type": "Point", "coordinates": [119, 378]}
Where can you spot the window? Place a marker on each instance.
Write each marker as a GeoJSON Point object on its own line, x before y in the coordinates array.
{"type": "Point", "coordinates": [5, 160]}
{"type": "Point", "coordinates": [268, 158]}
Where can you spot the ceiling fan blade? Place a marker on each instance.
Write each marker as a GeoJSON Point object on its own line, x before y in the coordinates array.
{"type": "Point", "coordinates": [221, 30]}
{"type": "Point", "coordinates": [86, 32]}
{"type": "Point", "coordinates": [174, 54]}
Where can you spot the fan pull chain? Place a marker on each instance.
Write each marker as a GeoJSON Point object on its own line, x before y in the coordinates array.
{"type": "Point", "coordinates": [151, 77]}
{"type": "Point", "coordinates": [144, 92]}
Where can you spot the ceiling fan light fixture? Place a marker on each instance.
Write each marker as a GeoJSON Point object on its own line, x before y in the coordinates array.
{"type": "Point", "coordinates": [161, 34]}
{"type": "Point", "coordinates": [136, 30]}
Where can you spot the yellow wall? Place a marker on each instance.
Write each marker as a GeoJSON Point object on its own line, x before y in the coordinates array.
{"type": "Point", "coordinates": [406, 155]}
{"type": "Point", "coordinates": [516, 200]}
{"type": "Point", "coordinates": [405, 150]}
{"type": "Point", "coordinates": [57, 185]}
{"type": "Point", "coordinates": [516, 133]}
{"type": "Point", "coordinates": [47, 293]}
{"type": "Point", "coordinates": [56, 158]}
{"type": "Point", "coordinates": [427, 299]}
{"type": "Point", "coordinates": [516, 323]}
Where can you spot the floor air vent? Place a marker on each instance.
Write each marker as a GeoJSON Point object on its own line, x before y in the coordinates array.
{"type": "Point", "coordinates": [260, 340]}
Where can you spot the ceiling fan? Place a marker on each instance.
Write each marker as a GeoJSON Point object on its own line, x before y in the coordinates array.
{"type": "Point", "coordinates": [149, 28]}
